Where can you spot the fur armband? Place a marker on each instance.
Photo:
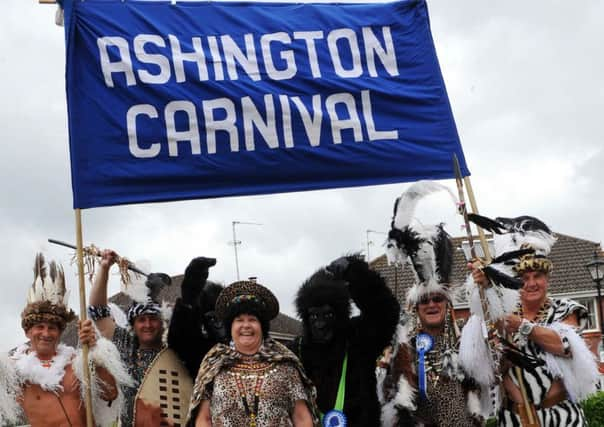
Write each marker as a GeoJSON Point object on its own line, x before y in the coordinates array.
{"type": "Point", "coordinates": [104, 354]}
{"type": "Point", "coordinates": [10, 411]}
{"type": "Point", "coordinates": [578, 370]}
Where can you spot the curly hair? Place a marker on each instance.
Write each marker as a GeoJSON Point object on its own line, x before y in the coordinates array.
{"type": "Point", "coordinates": [246, 307]}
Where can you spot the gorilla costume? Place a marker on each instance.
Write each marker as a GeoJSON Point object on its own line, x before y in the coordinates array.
{"type": "Point", "coordinates": [323, 304]}
{"type": "Point", "coordinates": [194, 328]}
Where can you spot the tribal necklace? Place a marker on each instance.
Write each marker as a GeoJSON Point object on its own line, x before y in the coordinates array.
{"type": "Point", "coordinates": [248, 370]}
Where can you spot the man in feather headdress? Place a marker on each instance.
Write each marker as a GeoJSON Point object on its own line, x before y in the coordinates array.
{"type": "Point", "coordinates": [420, 375]}
{"type": "Point", "coordinates": [546, 329]}
{"type": "Point", "coordinates": [42, 380]}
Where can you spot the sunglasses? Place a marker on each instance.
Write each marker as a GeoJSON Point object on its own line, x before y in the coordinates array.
{"type": "Point", "coordinates": [437, 299]}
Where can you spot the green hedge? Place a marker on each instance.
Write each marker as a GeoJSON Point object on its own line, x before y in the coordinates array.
{"type": "Point", "coordinates": [594, 410]}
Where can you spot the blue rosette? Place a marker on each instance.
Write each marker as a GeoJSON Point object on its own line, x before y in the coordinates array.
{"type": "Point", "coordinates": [335, 418]}
{"type": "Point", "coordinates": [423, 344]}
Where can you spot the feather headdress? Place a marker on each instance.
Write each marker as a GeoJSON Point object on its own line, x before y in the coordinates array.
{"type": "Point", "coordinates": [429, 248]}
{"type": "Point", "coordinates": [47, 298]}
{"type": "Point", "coordinates": [521, 243]}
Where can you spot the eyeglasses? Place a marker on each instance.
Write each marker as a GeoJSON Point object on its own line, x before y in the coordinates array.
{"type": "Point", "coordinates": [437, 299]}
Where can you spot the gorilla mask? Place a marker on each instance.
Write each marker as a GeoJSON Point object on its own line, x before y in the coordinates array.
{"type": "Point", "coordinates": [322, 322]}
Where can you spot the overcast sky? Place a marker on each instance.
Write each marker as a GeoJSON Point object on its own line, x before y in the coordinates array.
{"type": "Point", "coordinates": [525, 80]}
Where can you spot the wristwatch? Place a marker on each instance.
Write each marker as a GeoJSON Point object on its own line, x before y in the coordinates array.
{"type": "Point", "coordinates": [525, 328]}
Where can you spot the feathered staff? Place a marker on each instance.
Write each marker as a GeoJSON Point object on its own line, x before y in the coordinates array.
{"type": "Point", "coordinates": [91, 253]}
{"type": "Point", "coordinates": [492, 305]}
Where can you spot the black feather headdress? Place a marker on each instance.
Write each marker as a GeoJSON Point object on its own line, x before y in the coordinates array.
{"type": "Point", "coordinates": [428, 248]}
{"type": "Point", "coordinates": [521, 243]}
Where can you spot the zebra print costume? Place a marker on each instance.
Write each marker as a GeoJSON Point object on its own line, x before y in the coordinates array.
{"type": "Point", "coordinates": [538, 382]}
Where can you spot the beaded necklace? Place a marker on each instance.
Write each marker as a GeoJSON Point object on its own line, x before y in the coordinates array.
{"type": "Point", "coordinates": [434, 361]}
{"type": "Point", "coordinates": [252, 414]}
{"type": "Point", "coordinates": [249, 369]}
{"type": "Point", "coordinates": [541, 316]}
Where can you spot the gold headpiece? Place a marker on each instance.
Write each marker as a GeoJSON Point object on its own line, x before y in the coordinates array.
{"type": "Point", "coordinates": [532, 262]}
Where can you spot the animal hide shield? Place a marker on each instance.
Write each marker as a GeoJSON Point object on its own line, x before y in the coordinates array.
{"type": "Point", "coordinates": [163, 398]}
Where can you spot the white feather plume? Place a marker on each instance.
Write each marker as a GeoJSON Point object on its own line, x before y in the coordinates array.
{"type": "Point", "coordinates": [137, 290]}
{"type": "Point", "coordinates": [579, 373]}
{"type": "Point", "coordinates": [474, 355]}
{"type": "Point", "coordinates": [408, 200]}
{"type": "Point", "coordinates": [48, 284]}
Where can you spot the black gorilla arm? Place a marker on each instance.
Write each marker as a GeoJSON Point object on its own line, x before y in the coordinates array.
{"type": "Point", "coordinates": [379, 308]}
{"type": "Point", "coordinates": [185, 335]}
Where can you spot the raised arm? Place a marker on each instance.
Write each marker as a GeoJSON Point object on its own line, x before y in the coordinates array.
{"type": "Point", "coordinates": [185, 335]}
{"type": "Point", "coordinates": [379, 308]}
{"type": "Point", "coordinates": [98, 295]}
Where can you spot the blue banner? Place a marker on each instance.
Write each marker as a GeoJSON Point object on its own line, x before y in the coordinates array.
{"type": "Point", "coordinates": [187, 100]}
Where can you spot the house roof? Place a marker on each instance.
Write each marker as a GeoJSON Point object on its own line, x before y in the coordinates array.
{"type": "Point", "coordinates": [569, 276]}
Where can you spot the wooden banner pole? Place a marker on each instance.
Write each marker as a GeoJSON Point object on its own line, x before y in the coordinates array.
{"type": "Point", "coordinates": [80, 259]}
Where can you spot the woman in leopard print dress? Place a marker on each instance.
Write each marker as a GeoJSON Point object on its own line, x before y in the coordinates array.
{"type": "Point", "coordinates": [254, 381]}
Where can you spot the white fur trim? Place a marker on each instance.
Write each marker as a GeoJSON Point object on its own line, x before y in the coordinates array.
{"type": "Point", "coordinates": [473, 404]}
{"type": "Point", "coordinates": [29, 369]}
{"type": "Point", "coordinates": [473, 297]}
{"type": "Point", "coordinates": [136, 289]}
{"type": "Point", "coordinates": [380, 376]}
{"type": "Point", "coordinates": [490, 400]}
{"type": "Point", "coordinates": [474, 355]}
{"type": "Point", "coordinates": [404, 398]}
{"type": "Point", "coordinates": [389, 415]}
{"type": "Point", "coordinates": [10, 410]}
{"type": "Point", "coordinates": [578, 372]}
{"type": "Point", "coordinates": [501, 301]}
{"type": "Point", "coordinates": [402, 334]}
{"type": "Point", "coordinates": [106, 355]}
{"type": "Point", "coordinates": [405, 395]}
{"type": "Point", "coordinates": [119, 317]}
{"type": "Point", "coordinates": [417, 291]}
{"type": "Point", "coordinates": [510, 299]}
{"type": "Point", "coordinates": [166, 315]}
